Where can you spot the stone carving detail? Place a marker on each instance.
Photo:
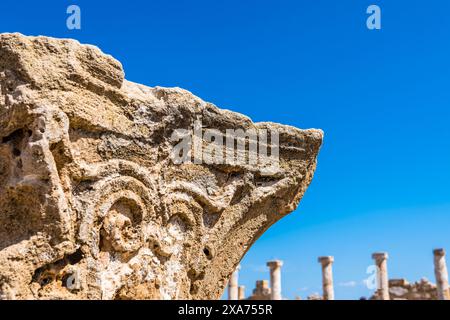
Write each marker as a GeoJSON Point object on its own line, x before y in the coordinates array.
{"type": "Point", "coordinates": [91, 205]}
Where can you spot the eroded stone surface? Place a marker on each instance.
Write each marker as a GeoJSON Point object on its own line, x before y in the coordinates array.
{"type": "Point", "coordinates": [92, 207]}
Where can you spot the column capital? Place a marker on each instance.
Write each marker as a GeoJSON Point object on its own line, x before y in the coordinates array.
{"type": "Point", "coordinates": [326, 260]}
{"type": "Point", "coordinates": [439, 252]}
{"type": "Point", "coordinates": [380, 256]}
{"type": "Point", "coordinates": [274, 264]}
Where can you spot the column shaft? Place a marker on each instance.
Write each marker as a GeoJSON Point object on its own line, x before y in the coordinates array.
{"type": "Point", "coordinates": [275, 279]}
{"type": "Point", "coordinates": [327, 277]}
{"type": "Point", "coordinates": [382, 275]}
{"type": "Point", "coordinates": [233, 293]}
{"type": "Point", "coordinates": [441, 273]}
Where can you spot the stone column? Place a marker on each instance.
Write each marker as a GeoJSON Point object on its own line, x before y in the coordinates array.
{"type": "Point", "coordinates": [233, 284]}
{"type": "Point", "coordinates": [275, 279]}
{"type": "Point", "coordinates": [241, 293]}
{"type": "Point", "coordinates": [327, 277]}
{"type": "Point", "coordinates": [382, 275]}
{"type": "Point", "coordinates": [440, 271]}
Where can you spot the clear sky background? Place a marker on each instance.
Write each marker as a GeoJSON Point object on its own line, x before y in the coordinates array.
{"type": "Point", "coordinates": [382, 98]}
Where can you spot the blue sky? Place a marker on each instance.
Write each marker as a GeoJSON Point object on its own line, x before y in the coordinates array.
{"type": "Point", "coordinates": [382, 98]}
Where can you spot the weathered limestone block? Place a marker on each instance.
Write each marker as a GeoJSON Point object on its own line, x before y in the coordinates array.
{"type": "Point", "coordinates": [401, 289]}
{"type": "Point", "coordinates": [262, 291]}
{"type": "Point", "coordinates": [92, 206]}
{"type": "Point", "coordinates": [314, 296]}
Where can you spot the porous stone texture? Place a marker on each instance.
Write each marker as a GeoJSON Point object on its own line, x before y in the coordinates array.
{"type": "Point", "coordinates": [91, 205]}
{"type": "Point", "coordinates": [401, 289]}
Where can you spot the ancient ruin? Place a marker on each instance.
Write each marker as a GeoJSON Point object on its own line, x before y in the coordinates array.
{"type": "Point", "coordinates": [275, 279]}
{"type": "Point", "coordinates": [380, 259]}
{"type": "Point", "coordinates": [387, 289]}
{"type": "Point", "coordinates": [233, 287]}
{"type": "Point", "coordinates": [92, 205]}
{"type": "Point", "coordinates": [262, 291]}
{"type": "Point", "coordinates": [401, 289]}
{"type": "Point", "coordinates": [441, 273]}
{"type": "Point", "coordinates": [327, 277]}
